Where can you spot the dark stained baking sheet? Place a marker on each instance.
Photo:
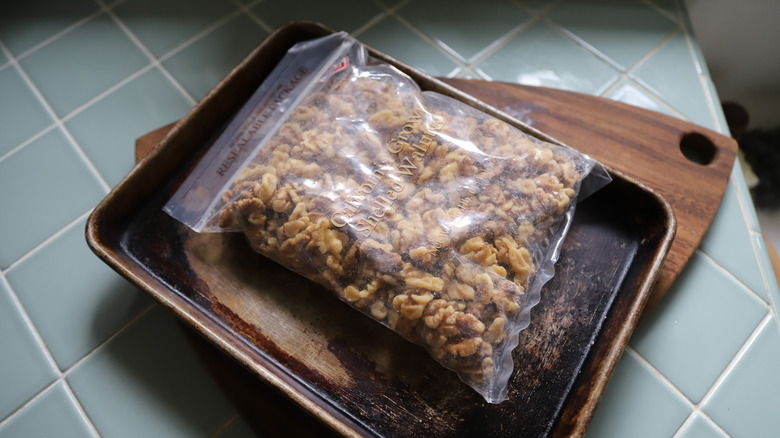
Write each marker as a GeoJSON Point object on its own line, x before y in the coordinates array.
{"type": "Point", "coordinates": [354, 375]}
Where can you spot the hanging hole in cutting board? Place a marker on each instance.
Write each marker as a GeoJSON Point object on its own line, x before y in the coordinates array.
{"type": "Point", "coordinates": [698, 148]}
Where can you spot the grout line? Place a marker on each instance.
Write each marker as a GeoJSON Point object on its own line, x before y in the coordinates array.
{"type": "Point", "coordinates": [48, 240]}
{"type": "Point", "coordinates": [663, 11]}
{"type": "Point", "coordinates": [660, 376]}
{"type": "Point", "coordinates": [225, 425]}
{"type": "Point", "coordinates": [503, 40]}
{"type": "Point", "coordinates": [392, 9]}
{"type": "Point", "coordinates": [745, 205]}
{"type": "Point", "coordinates": [369, 24]}
{"type": "Point", "coordinates": [695, 408]}
{"type": "Point", "coordinates": [108, 91]}
{"type": "Point", "coordinates": [712, 108]}
{"type": "Point", "coordinates": [192, 40]}
{"type": "Point", "coordinates": [648, 93]}
{"type": "Point", "coordinates": [438, 45]}
{"type": "Point", "coordinates": [113, 336]}
{"type": "Point", "coordinates": [32, 139]}
{"type": "Point", "coordinates": [11, 64]}
{"type": "Point", "coordinates": [766, 277]}
{"type": "Point", "coordinates": [57, 121]}
{"type": "Point", "coordinates": [744, 209]}
{"type": "Point", "coordinates": [685, 425]}
{"type": "Point", "coordinates": [682, 28]}
{"type": "Point", "coordinates": [449, 52]}
{"type": "Point", "coordinates": [737, 357]}
{"type": "Point", "coordinates": [397, 4]}
{"type": "Point", "coordinates": [582, 43]}
{"type": "Point", "coordinates": [630, 71]}
{"type": "Point", "coordinates": [373, 20]}
{"type": "Point", "coordinates": [535, 17]}
{"type": "Point", "coordinates": [61, 375]}
{"type": "Point", "coordinates": [247, 10]}
{"type": "Point", "coordinates": [145, 50]}
{"type": "Point", "coordinates": [480, 74]}
{"type": "Point", "coordinates": [609, 86]}
{"type": "Point", "coordinates": [85, 158]}
{"type": "Point", "coordinates": [706, 417]}
{"type": "Point", "coordinates": [59, 34]}
{"type": "Point", "coordinates": [31, 326]}
{"type": "Point", "coordinates": [628, 75]}
{"type": "Point", "coordinates": [468, 66]}
{"type": "Point", "coordinates": [28, 403]}
{"type": "Point", "coordinates": [732, 276]}
{"type": "Point", "coordinates": [80, 408]}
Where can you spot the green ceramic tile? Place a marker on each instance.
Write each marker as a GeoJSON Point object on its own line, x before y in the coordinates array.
{"type": "Point", "coordinates": [771, 292]}
{"type": "Point", "coordinates": [641, 28]}
{"type": "Point", "coordinates": [698, 55]}
{"type": "Point", "coordinates": [738, 179]}
{"type": "Point", "coordinates": [637, 404]}
{"type": "Point", "coordinates": [701, 427]}
{"type": "Point", "coordinates": [200, 66]}
{"type": "Point", "coordinates": [331, 13]}
{"type": "Point", "coordinates": [73, 319]}
{"type": "Point", "coordinates": [163, 25]}
{"type": "Point", "coordinates": [162, 390]}
{"type": "Point", "coordinates": [24, 369]}
{"type": "Point", "coordinates": [3, 60]}
{"type": "Point", "coordinates": [62, 418]}
{"type": "Point", "coordinates": [767, 272]}
{"type": "Point", "coordinates": [728, 241]}
{"type": "Point", "coordinates": [629, 92]}
{"type": "Point", "coordinates": [775, 303]}
{"type": "Point", "coordinates": [25, 24]}
{"type": "Point", "coordinates": [107, 130]}
{"type": "Point", "coordinates": [83, 63]}
{"type": "Point", "coordinates": [392, 37]}
{"type": "Point", "coordinates": [43, 187]}
{"type": "Point", "coordinates": [237, 429]}
{"type": "Point", "coordinates": [672, 74]}
{"type": "Point", "coordinates": [720, 123]}
{"type": "Point", "coordinates": [746, 402]}
{"type": "Point", "coordinates": [467, 27]}
{"type": "Point", "coordinates": [685, 337]}
{"type": "Point", "coordinates": [21, 113]}
{"type": "Point", "coordinates": [526, 60]}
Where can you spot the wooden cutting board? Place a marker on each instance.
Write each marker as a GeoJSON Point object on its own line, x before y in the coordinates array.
{"type": "Point", "coordinates": [645, 145]}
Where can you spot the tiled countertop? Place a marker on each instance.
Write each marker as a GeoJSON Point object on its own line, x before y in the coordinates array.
{"type": "Point", "coordinates": [82, 353]}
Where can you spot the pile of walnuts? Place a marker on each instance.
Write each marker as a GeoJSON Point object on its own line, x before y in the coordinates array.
{"type": "Point", "coordinates": [428, 217]}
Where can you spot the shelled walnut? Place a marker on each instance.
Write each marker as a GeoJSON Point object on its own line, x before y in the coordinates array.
{"type": "Point", "coordinates": [427, 217]}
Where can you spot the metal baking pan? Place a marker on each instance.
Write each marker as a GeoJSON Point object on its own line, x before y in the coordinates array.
{"type": "Point", "coordinates": [352, 374]}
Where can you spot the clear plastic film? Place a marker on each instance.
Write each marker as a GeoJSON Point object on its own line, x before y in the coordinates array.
{"type": "Point", "coordinates": [429, 216]}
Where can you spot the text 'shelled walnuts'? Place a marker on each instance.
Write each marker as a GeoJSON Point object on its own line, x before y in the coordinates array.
{"type": "Point", "coordinates": [423, 218]}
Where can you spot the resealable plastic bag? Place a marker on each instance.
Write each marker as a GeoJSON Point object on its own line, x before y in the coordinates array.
{"type": "Point", "coordinates": [431, 217]}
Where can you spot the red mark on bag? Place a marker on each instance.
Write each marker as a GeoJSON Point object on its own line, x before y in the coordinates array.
{"type": "Point", "coordinates": [341, 65]}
